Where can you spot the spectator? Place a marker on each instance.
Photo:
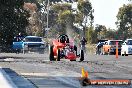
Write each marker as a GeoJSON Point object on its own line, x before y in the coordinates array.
{"type": "Point", "coordinates": [19, 37]}
{"type": "Point", "coordinates": [98, 47]}
{"type": "Point", "coordinates": [83, 42]}
{"type": "Point", "coordinates": [76, 40]}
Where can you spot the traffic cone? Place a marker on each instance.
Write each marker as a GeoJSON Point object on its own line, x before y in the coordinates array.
{"type": "Point", "coordinates": [84, 79]}
{"type": "Point", "coordinates": [86, 74]}
{"type": "Point", "coordinates": [83, 72]}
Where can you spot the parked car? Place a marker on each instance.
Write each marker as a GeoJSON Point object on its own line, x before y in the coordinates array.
{"type": "Point", "coordinates": [110, 46]}
{"type": "Point", "coordinates": [99, 47]}
{"type": "Point", "coordinates": [30, 44]}
{"type": "Point", "coordinates": [126, 48]}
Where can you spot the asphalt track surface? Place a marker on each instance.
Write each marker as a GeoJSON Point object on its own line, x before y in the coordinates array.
{"type": "Point", "coordinates": [42, 73]}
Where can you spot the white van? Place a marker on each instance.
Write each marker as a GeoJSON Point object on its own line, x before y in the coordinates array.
{"type": "Point", "coordinates": [126, 48]}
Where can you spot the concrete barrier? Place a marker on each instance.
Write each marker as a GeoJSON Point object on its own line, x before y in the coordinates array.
{"type": "Point", "coordinates": [5, 80]}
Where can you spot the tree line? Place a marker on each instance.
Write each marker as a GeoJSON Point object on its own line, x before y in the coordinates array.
{"type": "Point", "coordinates": [30, 18]}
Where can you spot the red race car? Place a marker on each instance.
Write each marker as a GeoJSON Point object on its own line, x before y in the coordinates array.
{"type": "Point", "coordinates": [63, 47]}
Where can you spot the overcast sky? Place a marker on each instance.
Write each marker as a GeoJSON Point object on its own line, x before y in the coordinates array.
{"type": "Point", "coordinates": [105, 11]}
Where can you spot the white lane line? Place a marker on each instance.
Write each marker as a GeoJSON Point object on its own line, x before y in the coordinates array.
{"type": "Point", "coordinates": [5, 80]}
{"type": "Point", "coordinates": [9, 59]}
{"type": "Point", "coordinates": [54, 74]}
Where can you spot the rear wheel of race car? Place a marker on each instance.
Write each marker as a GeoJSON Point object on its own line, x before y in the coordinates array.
{"type": "Point", "coordinates": [75, 48]}
{"type": "Point", "coordinates": [51, 53]}
{"type": "Point", "coordinates": [72, 60]}
{"type": "Point", "coordinates": [58, 55]}
{"type": "Point", "coordinates": [81, 55]}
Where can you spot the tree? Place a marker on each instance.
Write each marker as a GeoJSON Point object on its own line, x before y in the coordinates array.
{"type": "Point", "coordinates": [124, 20]}
{"type": "Point", "coordinates": [13, 19]}
{"type": "Point", "coordinates": [110, 34]}
{"type": "Point", "coordinates": [85, 8]}
{"type": "Point", "coordinates": [35, 25]}
{"type": "Point", "coordinates": [64, 17]}
{"type": "Point", "coordinates": [100, 31]}
{"type": "Point", "coordinates": [90, 35]}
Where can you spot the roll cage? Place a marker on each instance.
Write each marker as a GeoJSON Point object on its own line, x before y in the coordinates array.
{"type": "Point", "coordinates": [63, 38]}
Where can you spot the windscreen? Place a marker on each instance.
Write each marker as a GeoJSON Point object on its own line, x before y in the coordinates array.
{"type": "Point", "coordinates": [33, 40]}
{"type": "Point", "coordinates": [129, 42]}
{"type": "Point", "coordinates": [114, 42]}
{"type": "Point", "coordinates": [17, 39]}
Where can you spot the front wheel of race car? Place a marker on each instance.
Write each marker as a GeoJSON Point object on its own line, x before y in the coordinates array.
{"type": "Point", "coordinates": [58, 55]}
{"type": "Point", "coordinates": [81, 55]}
{"type": "Point", "coordinates": [51, 53]}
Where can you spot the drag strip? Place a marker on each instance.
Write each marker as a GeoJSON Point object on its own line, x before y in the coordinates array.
{"type": "Point", "coordinates": [42, 73]}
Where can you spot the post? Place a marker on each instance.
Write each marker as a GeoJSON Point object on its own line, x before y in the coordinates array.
{"type": "Point", "coordinates": [116, 49]}
{"type": "Point", "coordinates": [84, 29]}
{"type": "Point", "coordinates": [47, 17]}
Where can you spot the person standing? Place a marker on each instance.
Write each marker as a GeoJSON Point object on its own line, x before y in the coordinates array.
{"type": "Point", "coordinates": [98, 48]}
{"type": "Point", "coordinates": [19, 37]}
{"type": "Point", "coordinates": [76, 40]}
{"type": "Point", "coordinates": [83, 42]}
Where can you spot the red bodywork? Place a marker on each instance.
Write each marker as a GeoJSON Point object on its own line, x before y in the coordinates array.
{"type": "Point", "coordinates": [71, 56]}
{"type": "Point", "coordinates": [58, 45]}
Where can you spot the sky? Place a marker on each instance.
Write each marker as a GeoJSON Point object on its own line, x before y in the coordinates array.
{"type": "Point", "coordinates": [105, 11]}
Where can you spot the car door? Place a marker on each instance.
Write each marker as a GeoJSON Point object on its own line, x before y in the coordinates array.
{"type": "Point", "coordinates": [17, 44]}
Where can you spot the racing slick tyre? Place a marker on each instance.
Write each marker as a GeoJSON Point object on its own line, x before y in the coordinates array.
{"type": "Point", "coordinates": [81, 55]}
{"type": "Point", "coordinates": [58, 55]}
{"type": "Point", "coordinates": [51, 53]}
{"type": "Point", "coordinates": [72, 60]}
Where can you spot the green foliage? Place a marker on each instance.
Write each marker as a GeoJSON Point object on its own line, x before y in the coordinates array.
{"type": "Point", "coordinates": [90, 35]}
{"type": "Point", "coordinates": [60, 7]}
{"type": "Point", "coordinates": [63, 15]}
{"type": "Point", "coordinates": [85, 7]}
{"type": "Point", "coordinates": [52, 1]}
{"type": "Point", "coordinates": [124, 20]}
{"type": "Point", "coordinates": [63, 11]}
{"type": "Point", "coordinates": [101, 32]}
{"type": "Point", "coordinates": [13, 19]}
{"type": "Point", "coordinates": [66, 16]}
{"type": "Point", "coordinates": [79, 18]}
